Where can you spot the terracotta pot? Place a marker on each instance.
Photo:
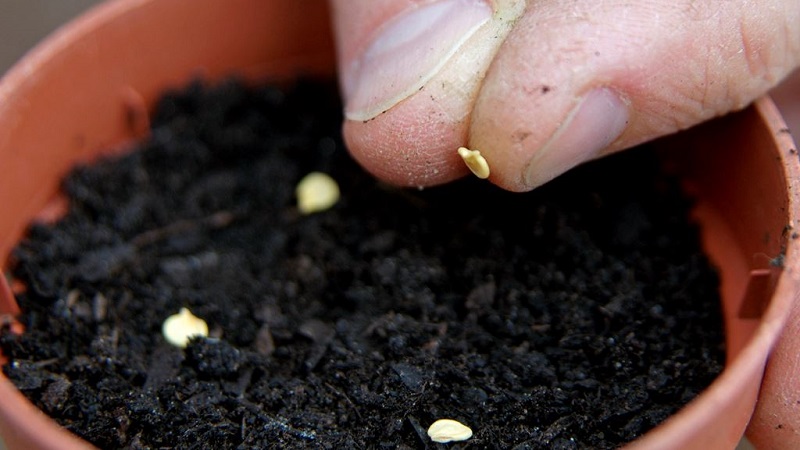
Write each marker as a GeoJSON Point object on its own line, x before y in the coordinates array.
{"type": "Point", "coordinates": [89, 88]}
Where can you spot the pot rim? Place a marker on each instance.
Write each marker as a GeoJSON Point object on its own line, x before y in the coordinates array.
{"type": "Point", "coordinates": [15, 408]}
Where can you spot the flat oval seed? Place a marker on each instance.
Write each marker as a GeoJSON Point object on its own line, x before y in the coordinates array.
{"type": "Point", "coordinates": [316, 192]}
{"type": "Point", "coordinates": [178, 328]}
{"type": "Point", "coordinates": [448, 430]}
{"type": "Point", "coordinates": [476, 163]}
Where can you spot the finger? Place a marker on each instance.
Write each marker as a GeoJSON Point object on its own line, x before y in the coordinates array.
{"type": "Point", "coordinates": [576, 80]}
{"type": "Point", "coordinates": [410, 72]}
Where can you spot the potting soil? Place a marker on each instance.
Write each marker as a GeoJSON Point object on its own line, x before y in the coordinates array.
{"type": "Point", "coordinates": [576, 316]}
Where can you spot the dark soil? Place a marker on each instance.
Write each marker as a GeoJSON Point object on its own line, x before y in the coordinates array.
{"type": "Point", "coordinates": [577, 316]}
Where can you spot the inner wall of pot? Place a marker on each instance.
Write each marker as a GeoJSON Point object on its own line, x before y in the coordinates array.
{"type": "Point", "coordinates": [74, 98]}
{"type": "Point", "coordinates": [737, 169]}
{"type": "Point", "coordinates": [742, 206]}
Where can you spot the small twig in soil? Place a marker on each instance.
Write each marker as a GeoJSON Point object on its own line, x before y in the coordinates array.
{"type": "Point", "coordinates": [45, 362]}
{"type": "Point", "coordinates": [346, 398]}
{"type": "Point", "coordinates": [419, 431]}
{"type": "Point", "coordinates": [217, 220]}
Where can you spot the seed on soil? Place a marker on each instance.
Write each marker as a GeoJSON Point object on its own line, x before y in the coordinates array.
{"type": "Point", "coordinates": [476, 163]}
{"type": "Point", "coordinates": [449, 430]}
{"type": "Point", "coordinates": [316, 192]}
{"type": "Point", "coordinates": [179, 328]}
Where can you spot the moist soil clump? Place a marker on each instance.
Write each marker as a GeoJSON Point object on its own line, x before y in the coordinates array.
{"type": "Point", "coordinates": [577, 316]}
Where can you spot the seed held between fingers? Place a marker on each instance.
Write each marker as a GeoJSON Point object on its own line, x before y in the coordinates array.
{"type": "Point", "coordinates": [179, 328]}
{"type": "Point", "coordinates": [476, 163]}
{"type": "Point", "coordinates": [449, 430]}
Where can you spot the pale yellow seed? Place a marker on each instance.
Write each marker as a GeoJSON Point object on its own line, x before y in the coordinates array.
{"type": "Point", "coordinates": [448, 430]}
{"type": "Point", "coordinates": [316, 192]}
{"type": "Point", "coordinates": [476, 163]}
{"type": "Point", "coordinates": [178, 328]}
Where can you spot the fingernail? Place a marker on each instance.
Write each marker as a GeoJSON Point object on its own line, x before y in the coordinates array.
{"type": "Point", "coordinates": [407, 52]}
{"type": "Point", "coordinates": [593, 125]}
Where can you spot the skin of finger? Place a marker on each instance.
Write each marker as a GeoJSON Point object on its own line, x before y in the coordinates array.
{"type": "Point", "coordinates": [410, 144]}
{"type": "Point", "coordinates": [356, 23]}
{"type": "Point", "coordinates": [776, 420]}
{"type": "Point", "coordinates": [676, 62]}
{"type": "Point", "coordinates": [415, 142]}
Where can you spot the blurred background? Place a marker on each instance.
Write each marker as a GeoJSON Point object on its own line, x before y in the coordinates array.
{"type": "Point", "coordinates": [23, 23]}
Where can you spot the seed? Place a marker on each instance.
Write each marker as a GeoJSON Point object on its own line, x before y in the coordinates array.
{"type": "Point", "coordinates": [476, 163]}
{"type": "Point", "coordinates": [178, 328]}
{"type": "Point", "coordinates": [316, 192]}
{"type": "Point", "coordinates": [448, 430]}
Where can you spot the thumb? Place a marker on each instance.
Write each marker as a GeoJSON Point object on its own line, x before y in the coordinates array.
{"type": "Point", "coordinates": [410, 71]}
{"type": "Point", "coordinates": [576, 80]}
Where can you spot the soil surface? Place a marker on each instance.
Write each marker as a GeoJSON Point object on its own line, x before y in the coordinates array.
{"type": "Point", "coordinates": [577, 316]}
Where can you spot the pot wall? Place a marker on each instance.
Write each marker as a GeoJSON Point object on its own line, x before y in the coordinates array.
{"type": "Point", "coordinates": [91, 85]}
{"type": "Point", "coordinates": [743, 170]}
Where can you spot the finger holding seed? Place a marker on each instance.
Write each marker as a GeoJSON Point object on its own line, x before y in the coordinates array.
{"type": "Point", "coordinates": [411, 71]}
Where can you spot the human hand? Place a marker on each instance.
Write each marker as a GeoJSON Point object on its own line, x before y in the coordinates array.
{"type": "Point", "coordinates": [541, 86]}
